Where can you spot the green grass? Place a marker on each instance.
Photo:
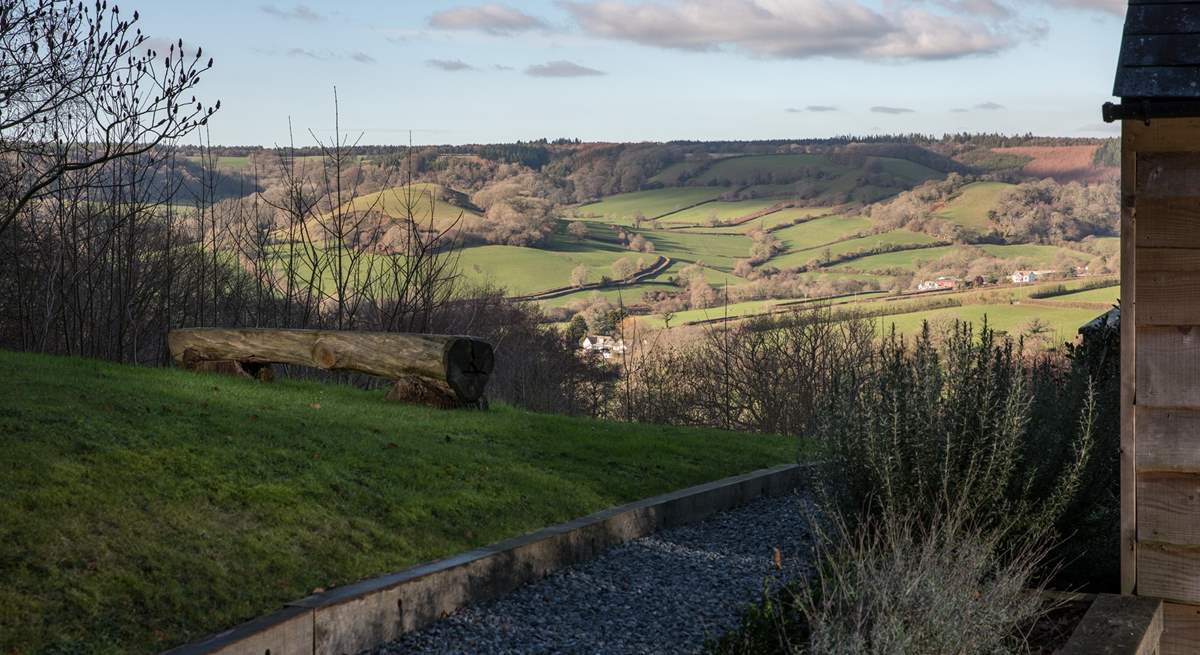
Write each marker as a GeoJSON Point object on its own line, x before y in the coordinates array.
{"type": "Point", "coordinates": [781, 217]}
{"type": "Point", "coordinates": [717, 251]}
{"type": "Point", "coordinates": [1034, 254]}
{"type": "Point", "coordinates": [901, 259]}
{"type": "Point", "coordinates": [911, 171]}
{"type": "Point", "coordinates": [720, 210]}
{"type": "Point", "coordinates": [621, 209]}
{"type": "Point", "coordinates": [1064, 323]}
{"type": "Point", "coordinates": [143, 508]}
{"type": "Point", "coordinates": [842, 248]}
{"type": "Point", "coordinates": [1106, 295]}
{"type": "Point", "coordinates": [421, 200]}
{"type": "Point", "coordinates": [970, 207]}
{"type": "Point", "coordinates": [744, 170]}
{"type": "Point", "coordinates": [529, 270]}
{"type": "Point", "coordinates": [821, 231]}
{"type": "Point", "coordinates": [629, 295]}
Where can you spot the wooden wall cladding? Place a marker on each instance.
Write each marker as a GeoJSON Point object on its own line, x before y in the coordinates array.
{"type": "Point", "coordinates": [1168, 366]}
{"type": "Point", "coordinates": [1168, 440]}
{"type": "Point", "coordinates": [1168, 571]}
{"type": "Point", "coordinates": [1181, 629]}
{"type": "Point", "coordinates": [1168, 508]}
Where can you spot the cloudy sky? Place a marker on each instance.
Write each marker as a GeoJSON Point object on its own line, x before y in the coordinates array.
{"type": "Point", "coordinates": [621, 70]}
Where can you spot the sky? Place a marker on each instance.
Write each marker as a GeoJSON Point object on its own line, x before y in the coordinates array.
{"type": "Point", "coordinates": [454, 72]}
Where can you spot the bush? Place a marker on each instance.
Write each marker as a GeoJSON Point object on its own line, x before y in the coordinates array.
{"type": "Point", "coordinates": [901, 585]}
{"type": "Point", "coordinates": [946, 428]}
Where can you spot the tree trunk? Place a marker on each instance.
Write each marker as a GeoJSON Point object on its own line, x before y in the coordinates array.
{"type": "Point", "coordinates": [457, 368]}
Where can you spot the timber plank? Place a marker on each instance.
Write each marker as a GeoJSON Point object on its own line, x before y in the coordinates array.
{"type": "Point", "coordinates": [1128, 527]}
{"type": "Point", "coordinates": [1169, 222]}
{"type": "Point", "coordinates": [1181, 629]}
{"type": "Point", "coordinates": [1169, 297]}
{"type": "Point", "coordinates": [1168, 508]}
{"type": "Point", "coordinates": [1168, 366]}
{"type": "Point", "coordinates": [1168, 571]}
{"type": "Point", "coordinates": [1168, 440]}
{"type": "Point", "coordinates": [1161, 135]}
{"type": "Point", "coordinates": [1163, 175]}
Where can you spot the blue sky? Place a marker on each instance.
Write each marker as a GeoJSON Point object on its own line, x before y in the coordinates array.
{"type": "Point", "coordinates": [632, 70]}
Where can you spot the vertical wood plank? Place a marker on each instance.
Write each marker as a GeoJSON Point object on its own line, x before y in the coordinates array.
{"type": "Point", "coordinates": [1128, 358]}
{"type": "Point", "coordinates": [1168, 440]}
{"type": "Point", "coordinates": [1168, 507]}
{"type": "Point", "coordinates": [1168, 571]}
{"type": "Point", "coordinates": [1168, 366]}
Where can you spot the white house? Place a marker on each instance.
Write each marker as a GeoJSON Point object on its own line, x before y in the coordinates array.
{"type": "Point", "coordinates": [602, 345]}
{"type": "Point", "coordinates": [1029, 277]}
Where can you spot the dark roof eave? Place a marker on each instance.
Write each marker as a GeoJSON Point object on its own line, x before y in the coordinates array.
{"type": "Point", "coordinates": [1145, 109]}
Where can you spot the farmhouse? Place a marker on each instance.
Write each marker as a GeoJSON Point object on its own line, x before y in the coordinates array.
{"type": "Point", "coordinates": [940, 284]}
{"type": "Point", "coordinates": [1029, 277]}
{"type": "Point", "coordinates": [603, 345]}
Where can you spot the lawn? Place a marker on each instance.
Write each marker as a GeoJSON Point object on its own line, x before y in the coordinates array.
{"type": "Point", "coordinates": [144, 508]}
{"type": "Point", "coordinates": [970, 207]}
{"type": "Point", "coordinates": [621, 209]}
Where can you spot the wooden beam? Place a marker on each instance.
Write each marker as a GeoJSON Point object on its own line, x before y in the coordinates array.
{"type": "Point", "coordinates": [457, 367]}
{"type": "Point", "coordinates": [1168, 297]}
{"type": "Point", "coordinates": [1161, 135]}
{"type": "Point", "coordinates": [1129, 358]}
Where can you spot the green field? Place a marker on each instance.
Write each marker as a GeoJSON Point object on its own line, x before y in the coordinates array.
{"type": "Point", "coordinates": [1034, 254]}
{"type": "Point", "coordinates": [821, 231]}
{"type": "Point", "coordinates": [901, 259]}
{"type": "Point", "coordinates": [1106, 295]}
{"type": "Point", "coordinates": [144, 508]}
{"type": "Point", "coordinates": [719, 211]}
{"type": "Point", "coordinates": [529, 270]}
{"type": "Point", "coordinates": [850, 246]}
{"type": "Point", "coordinates": [423, 202]}
{"type": "Point", "coordinates": [911, 171]}
{"type": "Point", "coordinates": [747, 170]}
{"type": "Point", "coordinates": [717, 251]}
{"type": "Point", "coordinates": [1064, 323]}
{"type": "Point", "coordinates": [627, 295]}
{"type": "Point", "coordinates": [621, 209]}
{"type": "Point", "coordinates": [970, 207]}
{"type": "Point", "coordinates": [772, 220]}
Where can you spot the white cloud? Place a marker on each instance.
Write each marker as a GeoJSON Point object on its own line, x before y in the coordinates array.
{"type": "Point", "coordinates": [990, 106]}
{"type": "Point", "coordinates": [495, 19]}
{"type": "Point", "coordinates": [1115, 7]}
{"type": "Point", "coordinates": [812, 108]}
{"type": "Point", "coordinates": [299, 12]}
{"type": "Point", "coordinates": [449, 65]}
{"type": "Point", "coordinates": [791, 29]}
{"type": "Point", "coordinates": [561, 69]}
{"type": "Point", "coordinates": [892, 110]}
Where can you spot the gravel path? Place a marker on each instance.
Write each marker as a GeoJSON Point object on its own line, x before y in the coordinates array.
{"type": "Point", "coordinates": [666, 593]}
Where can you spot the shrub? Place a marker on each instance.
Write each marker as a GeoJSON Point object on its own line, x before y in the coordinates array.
{"type": "Point", "coordinates": [900, 585]}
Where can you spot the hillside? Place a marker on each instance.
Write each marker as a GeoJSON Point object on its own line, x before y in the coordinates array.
{"type": "Point", "coordinates": [133, 522]}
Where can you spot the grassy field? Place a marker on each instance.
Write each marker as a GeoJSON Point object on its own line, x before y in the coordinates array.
{"type": "Point", "coordinates": [1034, 254]}
{"type": "Point", "coordinates": [901, 259]}
{"type": "Point", "coordinates": [911, 171]}
{"type": "Point", "coordinates": [1064, 323]}
{"type": "Point", "coordinates": [970, 207]}
{"type": "Point", "coordinates": [528, 270]}
{"type": "Point", "coordinates": [781, 217]}
{"type": "Point", "coordinates": [842, 248]}
{"type": "Point", "coordinates": [423, 201]}
{"type": "Point", "coordinates": [1107, 295]}
{"type": "Point", "coordinates": [621, 209]}
{"type": "Point", "coordinates": [821, 231]}
{"type": "Point", "coordinates": [745, 170]}
{"type": "Point", "coordinates": [719, 211]}
{"type": "Point", "coordinates": [718, 251]}
{"type": "Point", "coordinates": [144, 508]}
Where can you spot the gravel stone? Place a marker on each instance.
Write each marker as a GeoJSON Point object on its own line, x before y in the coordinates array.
{"type": "Point", "coordinates": [665, 593]}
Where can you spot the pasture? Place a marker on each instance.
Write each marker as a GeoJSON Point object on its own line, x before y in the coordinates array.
{"type": "Point", "coordinates": [970, 207]}
{"type": "Point", "coordinates": [621, 209]}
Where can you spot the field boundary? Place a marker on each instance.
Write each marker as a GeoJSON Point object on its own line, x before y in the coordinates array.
{"type": "Point", "coordinates": [661, 264]}
{"type": "Point", "coordinates": [360, 616]}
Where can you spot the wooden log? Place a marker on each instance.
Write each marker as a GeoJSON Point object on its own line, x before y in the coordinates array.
{"type": "Point", "coordinates": [455, 367]}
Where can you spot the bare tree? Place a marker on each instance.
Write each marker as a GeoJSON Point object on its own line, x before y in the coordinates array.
{"type": "Point", "coordinates": [79, 88]}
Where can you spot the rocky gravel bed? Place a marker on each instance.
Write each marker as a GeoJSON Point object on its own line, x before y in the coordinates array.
{"type": "Point", "coordinates": [666, 593]}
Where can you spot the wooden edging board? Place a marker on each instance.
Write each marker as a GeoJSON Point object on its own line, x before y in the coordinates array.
{"type": "Point", "coordinates": [353, 618]}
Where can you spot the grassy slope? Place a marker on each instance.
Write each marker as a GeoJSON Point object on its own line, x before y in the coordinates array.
{"type": "Point", "coordinates": [821, 231]}
{"type": "Point", "coordinates": [898, 259]}
{"type": "Point", "coordinates": [970, 207]}
{"type": "Point", "coordinates": [894, 238]}
{"type": "Point", "coordinates": [1063, 322]}
{"type": "Point", "coordinates": [142, 508]}
{"type": "Point", "coordinates": [1104, 295]}
{"type": "Point", "coordinates": [720, 210]}
{"type": "Point", "coordinates": [421, 199]}
{"type": "Point", "coordinates": [621, 209]}
{"type": "Point", "coordinates": [742, 169]}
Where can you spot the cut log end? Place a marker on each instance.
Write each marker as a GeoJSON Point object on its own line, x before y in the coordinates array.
{"type": "Point", "coordinates": [469, 364]}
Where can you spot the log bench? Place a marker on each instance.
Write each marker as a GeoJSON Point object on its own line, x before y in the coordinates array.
{"type": "Point", "coordinates": [440, 371]}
